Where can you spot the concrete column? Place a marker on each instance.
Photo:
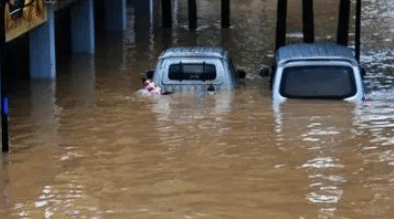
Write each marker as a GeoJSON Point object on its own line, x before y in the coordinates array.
{"type": "Point", "coordinates": [192, 7]}
{"type": "Point", "coordinates": [307, 21]}
{"type": "Point", "coordinates": [142, 19]}
{"type": "Point", "coordinates": [82, 27]}
{"type": "Point", "coordinates": [116, 14]}
{"type": "Point", "coordinates": [358, 29]}
{"type": "Point", "coordinates": [166, 13]}
{"type": "Point", "coordinates": [225, 13]}
{"type": "Point", "coordinates": [42, 49]}
{"type": "Point", "coordinates": [343, 22]}
{"type": "Point", "coordinates": [281, 14]}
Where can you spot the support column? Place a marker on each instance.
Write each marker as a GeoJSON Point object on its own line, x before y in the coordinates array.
{"type": "Point", "coordinates": [225, 13]}
{"type": "Point", "coordinates": [142, 21]}
{"type": "Point", "coordinates": [166, 13]}
{"type": "Point", "coordinates": [343, 22]}
{"type": "Point", "coordinates": [42, 49]}
{"type": "Point", "coordinates": [307, 21]}
{"type": "Point", "coordinates": [281, 23]}
{"type": "Point", "coordinates": [116, 15]}
{"type": "Point", "coordinates": [192, 6]}
{"type": "Point", "coordinates": [4, 101]}
{"type": "Point", "coordinates": [358, 29]}
{"type": "Point", "coordinates": [82, 27]}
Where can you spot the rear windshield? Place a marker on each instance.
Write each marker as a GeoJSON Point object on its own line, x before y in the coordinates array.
{"type": "Point", "coordinates": [192, 71]}
{"type": "Point", "coordinates": [318, 82]}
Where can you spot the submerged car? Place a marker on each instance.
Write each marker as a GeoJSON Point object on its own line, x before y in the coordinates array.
{"type": "Point", "coordinates": [195, 68]}
{"type": "Point", "coordinates": [316, 71]}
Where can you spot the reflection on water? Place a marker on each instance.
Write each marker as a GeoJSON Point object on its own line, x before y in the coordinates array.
{"type": "Point", "coordinates": [87, 146]}
{"type": "Point", "coordinates": [188, 107]}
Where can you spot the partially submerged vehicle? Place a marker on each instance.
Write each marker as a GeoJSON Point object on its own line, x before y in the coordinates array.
{"type": "Point", "coordinates": [316, 71]}
{"type": "Point", "coordinates": [195, 69]}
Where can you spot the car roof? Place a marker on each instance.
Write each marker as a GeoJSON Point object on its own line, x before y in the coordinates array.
{"type": "Point", "coordinates": [324, 50]}
{"type": "Point", "coordinates": [197, 51]}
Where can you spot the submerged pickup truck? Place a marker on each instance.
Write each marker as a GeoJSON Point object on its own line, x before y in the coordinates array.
{"type": "Point", "coordinates": [195, 69]}
{"type": "Point", "coordinates": [316, 71]}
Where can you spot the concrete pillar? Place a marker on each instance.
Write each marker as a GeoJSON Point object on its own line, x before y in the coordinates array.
{"type": "Point", "coordinates": [82, 27]}
{"type": "Point", "coordinates": [166, 13]}
{"type": "Point", "coordinates": [192, 7]}
{"type": "Point", "coordinates": [142, 20]}
{"type": "Point", "coordinates": [358, 29]}
{"type": "Point", "coordinates": [343, 22]}
{"type": "Point", "coordinates": [281, 23]}
{"type": "Point", "coordinates": [307, 21]}
{"type": "Point", "coordinates": [63, 34]}
{"type": "Point", "coordinates": [42, 49]}
{"type": "Point", "coordinates": [116, 14]}
{"type": "Point", "coordinates": [225, 13]}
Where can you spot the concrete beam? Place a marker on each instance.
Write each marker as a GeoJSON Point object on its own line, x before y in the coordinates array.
{"type": "Point", "coordinates": [116, 15]}
{"type": "Point", "coordinates": [82, 27]}
{"type": "Point", "coordinates": [42, 49]}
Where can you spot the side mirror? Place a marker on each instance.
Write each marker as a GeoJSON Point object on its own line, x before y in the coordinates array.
{"type": "Point", "coordinates": [264, 70]}
{"type": "Point", "coordinates": [362, 70]}
{"type": "Point", "coordinates": [241, 74]}
{"type": "Point", "coordinates": [149, 75]}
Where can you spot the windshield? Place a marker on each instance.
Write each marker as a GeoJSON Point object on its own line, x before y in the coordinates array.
{"type": "Point", "coordinates": [192, 71]}
{"type": "Point", "coordinates": [318, 82]}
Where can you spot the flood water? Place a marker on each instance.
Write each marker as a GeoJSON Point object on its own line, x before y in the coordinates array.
{"type": "Point", "coordinates": [87, 146]}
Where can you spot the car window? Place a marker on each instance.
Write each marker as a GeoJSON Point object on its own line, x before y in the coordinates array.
{"type": "Point", "coordinates": [192, 71]}
{"type": "Point", "coordinates": [318, 82]}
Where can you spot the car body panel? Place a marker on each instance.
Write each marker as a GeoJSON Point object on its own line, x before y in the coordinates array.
{"type": "Point", "coordinates": [316, 54]}
{"type": "Point", "coordinates": [225, 73]}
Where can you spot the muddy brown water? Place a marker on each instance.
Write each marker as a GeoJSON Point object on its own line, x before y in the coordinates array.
{"type": "Point", "coordinates": [87, 146]}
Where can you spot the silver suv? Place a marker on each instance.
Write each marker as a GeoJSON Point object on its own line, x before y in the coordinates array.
{"type": "Point", "coordinates": [318, 71]}
{"type": "Point", "coordinates": [195, 69]}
